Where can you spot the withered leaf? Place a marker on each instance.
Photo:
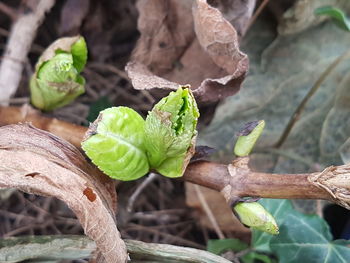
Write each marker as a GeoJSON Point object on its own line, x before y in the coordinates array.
{"type": "Point", "coordinates": [209, 60]}
{"type": "Point", "coordinates": [237, 12]}
{"type": "Point", "coordinates": [58, 169]}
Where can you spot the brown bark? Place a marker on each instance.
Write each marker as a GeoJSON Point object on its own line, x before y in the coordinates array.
{"type": "Point", "coordinates": [68, 131]}
{"type": "Point", "coordinates": [248, 183]}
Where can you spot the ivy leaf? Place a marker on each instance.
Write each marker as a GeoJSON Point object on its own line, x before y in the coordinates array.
{"type": "Point", "coordinates": [279, 209]}
{"type": "Point", "coordinates": [306, 238]}
{"type": "Point", "coordinates": [219, 246]}
{"type": "Point", "coordinates": [285, 84]}
{"type": "Point", "coordinates": [339, 17]}
{"type": "Point", "coordinates": [115, 143]}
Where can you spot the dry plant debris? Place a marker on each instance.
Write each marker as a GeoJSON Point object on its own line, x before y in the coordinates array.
{"type": "Point", "coordinates": [197, 47]}
{"type": "Point", "coordinates": [38, 162]}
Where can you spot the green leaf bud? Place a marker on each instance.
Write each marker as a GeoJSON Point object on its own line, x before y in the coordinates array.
{"type": "Point", "coordinates": [115, 143]}
{"type": "Point", "coordinates": [170, 132]}
{"type": "Point", "coordinates": [56, 81]}
{"type": "Point", "coordinates": [254, 215]}
{"type": "Point", "coordinates": [248, 137]}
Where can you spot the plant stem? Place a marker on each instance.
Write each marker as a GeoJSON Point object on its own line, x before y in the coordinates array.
{"type": "Point", "coordinates": [243, 182]}
{"type": "Point", "coordinates": [248, 183]}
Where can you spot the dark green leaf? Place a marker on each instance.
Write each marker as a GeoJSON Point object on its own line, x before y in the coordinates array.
{"type": "Point", "coordinates": [306, 238]}
{"type": "Point", "coordinates": [279, 209]}
{"type": "Point", "coordinates": [218, 246]}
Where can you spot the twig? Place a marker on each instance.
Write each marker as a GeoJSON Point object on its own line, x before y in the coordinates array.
{"type": "Point", "coordinates": [18, 45]}
{"type": "Point", "coordinates": [208, 212]}
{"type": "Point", "coordinates": [175, 238]}
{"type": "Point", "coordinates": [257, 13]}
{"type": "Point", "coordinates": [139, 190]}
{"type": "Point", "coordinates": [296, 115]}
{"type": "Point", "coordinates": [8, 11]}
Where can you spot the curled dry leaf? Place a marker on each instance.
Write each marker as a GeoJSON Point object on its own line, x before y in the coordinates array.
{"type": "Point", "coordinates": [237, 12]}
{"type": "Point", "coordinates": [198, 48]}
{"type": "Point", "coordinates": [37, 162]}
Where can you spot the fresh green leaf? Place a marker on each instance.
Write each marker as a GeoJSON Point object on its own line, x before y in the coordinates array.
{"type": "Point", "coordinates": [218, 246]}
{"type": "Point", "coordinates": [254, 215]}
{"type": "Point", "coordinates": [170, 130]}
{"type": "Point", "coordinates": [337, 14]}
{"type": "Point", "coordinates": [79, 52]}
{"type": "Point", "coordinates": [56, 81]}
{"type": "Point", "coordinates": [306, 238]}
{"type": "Point", "coordinates": [115, 144]}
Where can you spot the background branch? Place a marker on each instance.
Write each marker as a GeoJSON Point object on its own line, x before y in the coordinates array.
{"type": "Point", "coordinates": [18, 45]}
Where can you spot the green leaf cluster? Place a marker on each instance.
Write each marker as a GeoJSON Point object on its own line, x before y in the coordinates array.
{"type": "Point", "coordinates": [125, 146]}
{"type": "Point", "coordinates": [57, 80]}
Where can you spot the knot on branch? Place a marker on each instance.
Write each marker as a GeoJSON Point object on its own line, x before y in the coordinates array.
{"type": "Point", "coordinates": [336, 181]}
{"type": "Point", "coordinates": [238, 168]}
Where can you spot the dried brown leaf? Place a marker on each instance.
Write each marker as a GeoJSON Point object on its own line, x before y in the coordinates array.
{"type": "Point", "coordinates": [37, 162]}
{"type": "Point", "coordinates": [166, 28]}
{"type": "Point", "coordinates": [237, 12]}
{"type": "Point", "coordinates": [202, 61]}
{"type": "Point", "coordinates": [142, 78]}
{"type": "Point", "coordinates": [218, 38]}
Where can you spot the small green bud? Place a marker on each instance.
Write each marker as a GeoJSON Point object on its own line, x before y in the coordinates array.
{"type": "Point", "coordinates": [170, 132]}
{"type": "Point", "coordinates": [56, 81]}
{"type": "Point", "coordinates": [254, 215]}
{"type": "Point", "coordinates": [248, 137]}
{"type": "Point", "coordinates": [115, 143]}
